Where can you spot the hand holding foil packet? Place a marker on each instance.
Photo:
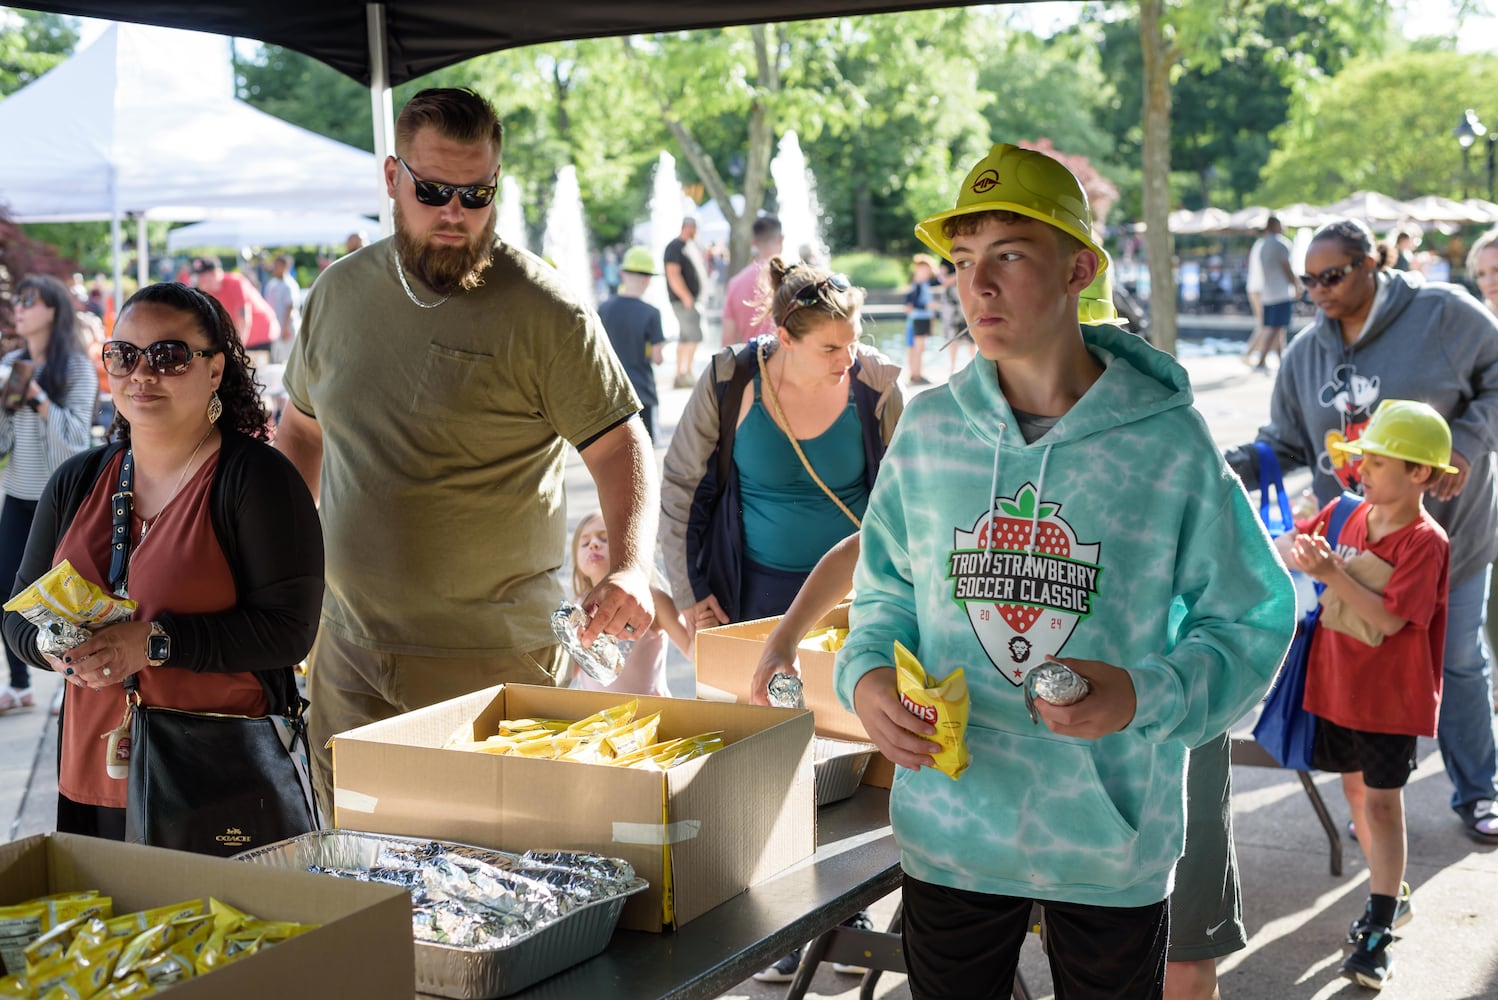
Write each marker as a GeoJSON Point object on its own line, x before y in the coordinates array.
{"type": "Point", "coordinates": [603, 660]}
{"type": "Point", "coordinates": [1055, 682]}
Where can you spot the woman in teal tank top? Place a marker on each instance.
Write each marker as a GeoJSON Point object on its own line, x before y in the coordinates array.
{"type": "Point", "coordinates": [799, 450]}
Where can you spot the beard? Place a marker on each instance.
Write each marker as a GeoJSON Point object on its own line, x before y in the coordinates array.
{"type": "Point", "coordinates": [443, 268]}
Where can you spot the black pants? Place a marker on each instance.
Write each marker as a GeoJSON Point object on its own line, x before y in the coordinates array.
{"type": "Point", "coordinates": [962, 944]}
{"type": "Point", "coordinates": [15, 526]}
{"type": "Point", "coordinates": [103, 822]}
{"type": "Point", "coordinates": [766, 591]}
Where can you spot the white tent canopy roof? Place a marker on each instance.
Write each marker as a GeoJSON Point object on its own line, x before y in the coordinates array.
{"type": "Point", "coordinates": [278, 229]}
{"type": "Point", "coordinates": [117, 131]}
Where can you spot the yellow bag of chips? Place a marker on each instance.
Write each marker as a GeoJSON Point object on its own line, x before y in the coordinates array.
{"type": "Point", "coordinates": [944, 704]}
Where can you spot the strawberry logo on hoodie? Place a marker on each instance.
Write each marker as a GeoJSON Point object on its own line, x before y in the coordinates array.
{"type": "Point", "coordinates": [1024, 580]}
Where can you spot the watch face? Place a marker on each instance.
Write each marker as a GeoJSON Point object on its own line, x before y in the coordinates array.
{"type": "Point", "coordinates": [158, 647]}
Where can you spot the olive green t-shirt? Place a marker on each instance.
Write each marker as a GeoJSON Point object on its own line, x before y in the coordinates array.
{"type": "Point", "coordinates": [443, 432]}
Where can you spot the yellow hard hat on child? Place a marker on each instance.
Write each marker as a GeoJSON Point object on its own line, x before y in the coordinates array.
{"type": "Point", "coordinates": [1404, 429]}
{"type": "Point", "coordinates": [1095, 307]}
{"type": "Point", "coordinates": [1023, 181]}
{"type": "Point", "coordinates": [639, 260]}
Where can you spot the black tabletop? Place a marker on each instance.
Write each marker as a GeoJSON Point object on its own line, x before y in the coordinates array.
{"type": "Point", "coordinates": [856, 863]}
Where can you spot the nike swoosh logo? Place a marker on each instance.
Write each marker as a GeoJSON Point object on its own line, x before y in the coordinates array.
{"type": "Point", "coordinates": [1212, 931]}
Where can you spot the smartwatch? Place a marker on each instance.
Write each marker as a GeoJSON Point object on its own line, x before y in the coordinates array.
{"type": "Point", "coordinates": [158, 645]}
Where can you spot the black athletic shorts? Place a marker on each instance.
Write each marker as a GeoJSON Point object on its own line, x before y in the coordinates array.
{"type": "Point", "coordinates": [1386, 759]}
{"type": "Point", "coordinates": [963, 945]}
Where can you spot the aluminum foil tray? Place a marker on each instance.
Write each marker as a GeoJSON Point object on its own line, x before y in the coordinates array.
{"type": "Point", "coordinates": [450, 971]}
{"type": "Point", "coordinates": [839, 767]}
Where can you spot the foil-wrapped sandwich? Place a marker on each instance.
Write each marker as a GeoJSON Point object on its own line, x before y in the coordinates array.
{"type": "Point", "coordinates": [602, 660]}
{"type": "Point", "coordinates": [785, 691]}
{"type": "Point", "coordinates": [484, 899]}
{"type": "Point", "coordinates": [1055, 682]}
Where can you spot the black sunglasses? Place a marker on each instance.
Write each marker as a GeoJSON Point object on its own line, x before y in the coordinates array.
{"type": "Point", "coordinates": [813, 292]}
{"type": "Point", "coordinates": [27, 299]}
{"type": "Point", "coordinates": [165, 357]}
{"type": "Point", "coordinates": [438, 194]}
{"type": "Point", "coordinates": [1331, 277]}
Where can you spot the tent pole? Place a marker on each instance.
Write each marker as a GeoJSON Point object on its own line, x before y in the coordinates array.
{"type": "Point", "coordinates": [142, 253]}
{"type": "Point", "coordinates": [379, 100]}
{"type": "Point", "coordinates": [114, 238]}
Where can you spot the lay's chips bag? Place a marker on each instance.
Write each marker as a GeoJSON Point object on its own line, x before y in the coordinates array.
{"type": "Point", "coordinates": [944, 704]}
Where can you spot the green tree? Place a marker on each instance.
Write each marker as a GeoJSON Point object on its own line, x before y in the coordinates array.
{"type": "Point", "coordinates": [1338, 141]}
{"type": "Point", "coordinates": [305, 92]}
{"type": "Point", "coordinates": [32, 43]}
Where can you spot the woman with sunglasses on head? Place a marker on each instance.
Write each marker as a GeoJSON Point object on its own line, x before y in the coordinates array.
{"type": "Point", "coordinates": [772, 461]}
{"type": "Point", "coordinates": [221, 546]}
{"type": "Point", "coordinates": [1387, 334]}
{"type": "Point", "coordinates": [45, 419]}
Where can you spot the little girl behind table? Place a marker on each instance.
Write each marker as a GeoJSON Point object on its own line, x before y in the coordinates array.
{"type": "Point", "coordinates": [644, 669]}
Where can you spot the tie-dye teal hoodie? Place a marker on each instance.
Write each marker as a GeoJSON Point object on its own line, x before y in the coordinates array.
{"type": "Point", "coordinates": [1121, 536]}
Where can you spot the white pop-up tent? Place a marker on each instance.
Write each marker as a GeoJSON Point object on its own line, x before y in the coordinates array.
{"type": "Point", "coordinates": [274, 229]}
{"type": "Point", "coordinates": [118, 132]}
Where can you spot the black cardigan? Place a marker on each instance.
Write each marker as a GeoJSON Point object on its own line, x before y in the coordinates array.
{"type": "Point", "coordinates": [267, 524]}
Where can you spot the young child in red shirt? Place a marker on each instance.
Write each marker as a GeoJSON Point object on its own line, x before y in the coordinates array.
{"type": "Point", "coordinates": [1374, 677]}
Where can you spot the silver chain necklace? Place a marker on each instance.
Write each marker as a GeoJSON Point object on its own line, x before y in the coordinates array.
{"type": "Point", "coordinates": [401, 272]}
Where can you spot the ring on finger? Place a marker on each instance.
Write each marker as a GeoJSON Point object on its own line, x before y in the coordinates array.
{"type": "Point", "coordinates": [629, 628]}
{"type": "Point", "coordinates": [105, 671]}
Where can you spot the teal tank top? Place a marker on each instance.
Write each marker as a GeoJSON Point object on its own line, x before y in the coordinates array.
{"type": "Point", "coordinates": [789, 523]}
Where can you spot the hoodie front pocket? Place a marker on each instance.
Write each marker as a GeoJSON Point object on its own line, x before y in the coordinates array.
{"type": "Point", "coordinates": [1029, 812]}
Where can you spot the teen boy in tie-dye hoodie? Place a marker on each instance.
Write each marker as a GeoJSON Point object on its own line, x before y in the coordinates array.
{"type": "Point", "coordinates": [1058, 498]}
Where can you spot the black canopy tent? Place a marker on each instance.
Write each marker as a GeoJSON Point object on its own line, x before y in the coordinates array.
{"type": "Point", "coordinates": [385, 44]}
{"type": "Point", "coordinates": [426, 35]}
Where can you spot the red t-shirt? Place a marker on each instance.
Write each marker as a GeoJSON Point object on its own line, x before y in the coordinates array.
{"type": "Point", "coordinates": [181, 567]}
{"type": "Point", "coordinates": [741, 303]}
{"type": "Point", "coordinates": [1394, 687]}
{"type": "Point", "coordinates": [234, 291]}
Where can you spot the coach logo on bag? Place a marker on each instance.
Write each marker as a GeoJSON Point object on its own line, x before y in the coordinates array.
{"type": "Point", "coordinates": [233, 835]}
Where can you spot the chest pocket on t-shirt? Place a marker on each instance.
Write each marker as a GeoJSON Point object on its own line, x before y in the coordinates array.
{"type": "Point", "coordinates": [452, 381]}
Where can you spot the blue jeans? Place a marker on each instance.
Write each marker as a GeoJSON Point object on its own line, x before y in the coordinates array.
{"type": "Point", "coordinates": [1465, 733]}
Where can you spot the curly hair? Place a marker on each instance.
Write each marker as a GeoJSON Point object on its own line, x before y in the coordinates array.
{"type": "Point", "coordinates": [244, 410]}
{"type": "Point", "coordinates": [787, 279]}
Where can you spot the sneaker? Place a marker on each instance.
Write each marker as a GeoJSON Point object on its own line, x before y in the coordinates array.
{"type": "Point", "coordinates": [1403, 914]}
{"type": "Point", "coordinates": [1370, 963]}
{"type": "Point", "coordinates": [782, 971]}
{"type": "Point", "coordinates": [859, 921]}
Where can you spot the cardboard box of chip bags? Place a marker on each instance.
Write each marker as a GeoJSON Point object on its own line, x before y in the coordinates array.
{"type": "Point", "coordinates": [728, 654]}
{"type": "Point", "coordinates": [700, 832]}
{"type": "Point", "coordinates": [361, 948]}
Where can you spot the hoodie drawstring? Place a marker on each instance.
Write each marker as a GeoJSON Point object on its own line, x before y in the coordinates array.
{"type": "Point", "coordinates": [993, 485]}
{"type": "Point", "coordinates": [1039, 493]}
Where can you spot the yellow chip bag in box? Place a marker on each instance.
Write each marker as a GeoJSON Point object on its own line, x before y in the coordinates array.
{"type": "Point", "coordinates": [944, 704]}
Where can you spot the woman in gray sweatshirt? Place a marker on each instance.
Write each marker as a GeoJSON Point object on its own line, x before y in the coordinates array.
{"type": "Point", "coordinates": [1382, 334]}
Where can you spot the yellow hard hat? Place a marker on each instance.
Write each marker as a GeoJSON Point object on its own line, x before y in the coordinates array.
{"type": "Point", "coordinates": [1405, 429]}
{"type": "Point", "coordinates": [1095, 307]}
{"type": "Point", "coordinates": [639, 260]}
{"type": "Point", "coordinates": [1023, 181]}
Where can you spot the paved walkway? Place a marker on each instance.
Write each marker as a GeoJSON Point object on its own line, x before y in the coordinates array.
{"type": "Point", "coordinates": [1297, 912]}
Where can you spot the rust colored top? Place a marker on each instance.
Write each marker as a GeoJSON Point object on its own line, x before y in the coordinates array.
{"type": "Point", "coordinates": [181, 568]}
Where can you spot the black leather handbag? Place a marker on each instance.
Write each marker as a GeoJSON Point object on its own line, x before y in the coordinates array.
{"type": "Point", "coordinates": [217, 784]}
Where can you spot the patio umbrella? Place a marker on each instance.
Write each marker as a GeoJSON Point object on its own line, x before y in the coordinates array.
{"type": "Point", "coordinates": [1370, 206]}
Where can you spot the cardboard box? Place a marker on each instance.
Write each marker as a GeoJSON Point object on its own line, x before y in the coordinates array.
{"type": "Point", "coordinates": [700, 833]}
{"type": "Point", "coordinates": [728, 654]}
{"type": "Point", "coordinates": [363, 948]}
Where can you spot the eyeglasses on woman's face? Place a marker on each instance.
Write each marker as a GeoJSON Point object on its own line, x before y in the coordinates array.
{"type": "Point", "coordinates": [28, 298]}
{"type": "Point", "coordinates": [165, 357]}
{"type": "Point", "coordinates": [437, 194]}
{"type": "Point", "coordinates": [813, 292]}
{"type": "Point", "coordinates": [1331, 277]}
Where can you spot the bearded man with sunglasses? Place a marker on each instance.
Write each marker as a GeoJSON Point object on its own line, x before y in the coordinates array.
{"type": "Point", "coordinates": [438, 376]}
